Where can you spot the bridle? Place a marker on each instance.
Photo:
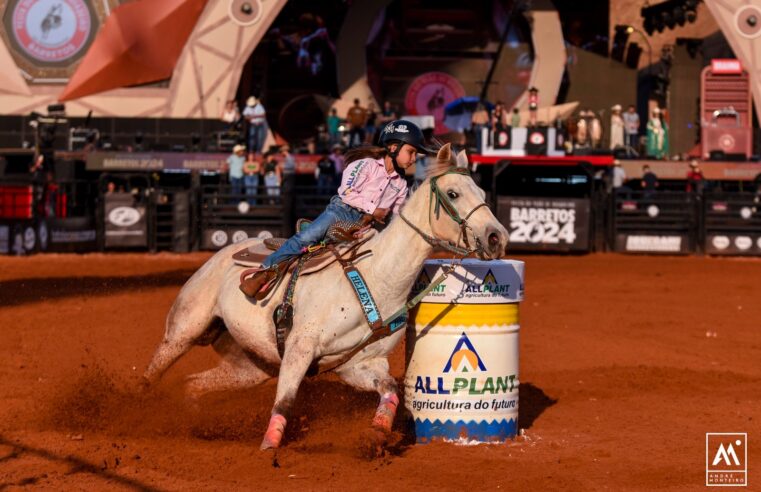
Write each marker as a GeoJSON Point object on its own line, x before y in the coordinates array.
{"type": "Point", "coordinates": [437, 201]}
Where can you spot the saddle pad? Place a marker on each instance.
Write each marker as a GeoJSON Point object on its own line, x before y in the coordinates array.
{"type": "Point", "coordinates": [256, 253]}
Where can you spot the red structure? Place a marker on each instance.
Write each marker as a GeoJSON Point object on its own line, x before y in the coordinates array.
{"type": "Point", "coordinates": [726, 109]}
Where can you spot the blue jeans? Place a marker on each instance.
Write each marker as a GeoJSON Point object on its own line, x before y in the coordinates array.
{"type": "Point", "coordinates": [256, 136]}
{"type": "Point", "coordinates": [336, 211]}
{"type": "Point", "coordinates": [252, 184]}
{"type": "Point", "coordinates": [236, 185]}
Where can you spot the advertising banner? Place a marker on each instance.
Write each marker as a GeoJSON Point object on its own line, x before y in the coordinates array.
{"type": "Point", "coordinates": [546, 224]}
{"type": "Point", "coordinates": [126, 224]}
{"type": "Point", "coordinates": [667, 243]}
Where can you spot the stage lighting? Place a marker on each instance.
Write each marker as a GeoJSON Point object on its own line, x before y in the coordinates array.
{"type": "Point", "coordinates": [56, 109]}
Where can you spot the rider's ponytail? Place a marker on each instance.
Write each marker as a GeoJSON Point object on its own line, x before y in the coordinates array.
{"type": "Point", "coordinates": [365, 151]}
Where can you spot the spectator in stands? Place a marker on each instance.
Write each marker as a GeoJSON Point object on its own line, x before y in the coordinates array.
{"type": "Point", "coordinates": [631, 130]}
{"type": "Point", "coordinates": [235, 171]}
{"type": "Point", "coordinates": [325, 173]}
{"type": "Point", "coordinates": [288, 169]}
{"type": "Point", "coordinates": [498, 116]}
{"type": "Point", "coordinates": [357, 118]}
{"type": "Point", "coordinates": [256, 116]}
{"type": "Point", "coordinates": [616, 127]}
{"type": "Point", "coordinates": [515, 118]}
{"type": "Point", "coordinates": [252, 169]}
{"type": "Point", "coordinates": [334, 122]}
{"type": "Point", "coordinates": [37, 170]}
{"type": "Point", "coordinates": [657, 135]}
{"type": "Point", "coordinates": [388, 114]}
{"type": "Point", "coordinates": [371, 124]}
{"type": "Point", "coordinates": [51, 194]}
{"type": "Point", "coordinates": [649, 182]}
{"type": "Point", "coordinates": [231, 114]}
{"type": "Point", "coordinates": [272, 173]}
{"type": "Point", "coordinates": [695, 178]}
{"type": "Point", "coordinates": [618, 177]}
{"type": "Point", "coordinates": [478, 121]}
{"type": "Point", "coordinates": [337, 156]}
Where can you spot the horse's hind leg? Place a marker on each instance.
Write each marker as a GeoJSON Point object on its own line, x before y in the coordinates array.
{"type": "Point", "coordinates": [185, 324]}
{"type": "Point", "coordinates": [299, 354]}
{"type": "Point", "coordinates": [373, 375]}
{"type": "Point", "coordinates": [236, 371]}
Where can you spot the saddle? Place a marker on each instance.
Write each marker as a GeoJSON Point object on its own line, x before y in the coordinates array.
{"type": "Point", "coordinates": [342, 240]}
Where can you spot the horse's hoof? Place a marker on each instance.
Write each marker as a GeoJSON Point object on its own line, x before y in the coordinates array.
{"type": "Point", "coordinates": [372, 443]}
{"type": "Point", "coordinates": [274, 434]}
{"type": "Point", "coordinates": [267, 444]}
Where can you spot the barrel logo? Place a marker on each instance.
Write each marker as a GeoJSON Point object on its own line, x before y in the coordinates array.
{"type": "Point", "coordinates": [464, 357]}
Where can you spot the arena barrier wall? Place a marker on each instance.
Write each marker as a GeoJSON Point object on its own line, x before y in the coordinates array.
{"type": "Point", "coordinates": [732, 224]}
{"type": "Point", "coordinates": [228, 218]}
{"type": "Point", "coordinates": [664, 222]}
{"type": "Point", "coordinates": [462, 379]}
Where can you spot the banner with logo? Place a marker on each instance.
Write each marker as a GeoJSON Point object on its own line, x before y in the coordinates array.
{"type": "Point", "coordinates": [667, 243]}
{"type": "Point", "coordinates": [126, 224]}
{"type": "Point", "coordinates": [70, 234]}
{"type": "Point", "coordinates": [733, 244]}
{"type": "Point", "coordinates": [546, 224]}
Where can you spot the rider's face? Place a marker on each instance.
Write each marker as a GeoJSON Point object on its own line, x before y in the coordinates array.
{"type": "Point", "coordinates": [407, 156]}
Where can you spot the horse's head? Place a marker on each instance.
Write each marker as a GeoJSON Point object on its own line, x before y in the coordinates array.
{"type": "Point", "coordinates": [457, 211]}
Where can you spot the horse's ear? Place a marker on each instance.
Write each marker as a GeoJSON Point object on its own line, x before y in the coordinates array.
{"type": "Point", "coordinates": [462, 159]}
{"type": "Point", "coordinates": [445, 153]}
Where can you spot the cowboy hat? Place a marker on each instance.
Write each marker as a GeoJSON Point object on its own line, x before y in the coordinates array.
{"type": "Point", "coordinates": [616, 107]}
{"type": "Point", "coordinates": [251, 101]}
{"type": "Point", "coordinates": [239, 148]}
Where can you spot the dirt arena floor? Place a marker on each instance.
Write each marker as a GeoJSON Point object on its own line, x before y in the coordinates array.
{"type": "Point", "coordinates": [626, 363]}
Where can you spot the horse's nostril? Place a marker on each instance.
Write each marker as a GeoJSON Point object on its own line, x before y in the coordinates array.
{"type": "Point", "coordinates": [493, 239]}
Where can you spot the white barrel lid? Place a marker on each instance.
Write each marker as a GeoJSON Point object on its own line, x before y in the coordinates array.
{"type": "Point", "coordinates": [473, 282]}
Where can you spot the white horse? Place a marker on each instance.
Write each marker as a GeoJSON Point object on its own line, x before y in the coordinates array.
{"type": "Point", "coordinates": [328, 320]}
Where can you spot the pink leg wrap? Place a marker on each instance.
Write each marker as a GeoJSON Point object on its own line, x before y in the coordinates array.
{"type": "Point", "coordinates": [274, 433]}
{"type": "Point", "coordinates": [384, 415]}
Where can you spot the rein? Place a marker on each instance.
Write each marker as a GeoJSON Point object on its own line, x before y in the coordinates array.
{"type": "Point", "coordinates": [437, 201]}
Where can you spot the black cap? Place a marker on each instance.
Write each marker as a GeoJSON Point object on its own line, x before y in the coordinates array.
{"type": "Point", "coordinates": [404, 131]}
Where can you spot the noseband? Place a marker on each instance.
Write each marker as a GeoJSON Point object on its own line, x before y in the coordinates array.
{"type": "Point", "coordinates": [437, 201]}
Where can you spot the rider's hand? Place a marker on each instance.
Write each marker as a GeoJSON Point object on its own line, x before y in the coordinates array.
{"type": "Point", "coordinates": [380, 215]}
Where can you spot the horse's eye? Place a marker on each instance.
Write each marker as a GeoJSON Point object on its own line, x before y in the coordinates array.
{"type": "Point", "coordinates": [452, 195]}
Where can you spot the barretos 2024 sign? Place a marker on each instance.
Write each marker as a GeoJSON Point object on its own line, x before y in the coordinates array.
{"type": "Point", "coordinates": [548, 224]}
{"type": "Point", "coordinates": [51, 31]}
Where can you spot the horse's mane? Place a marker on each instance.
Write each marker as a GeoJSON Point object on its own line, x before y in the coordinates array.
{"type": "Point", "coordinates": [446, 160]}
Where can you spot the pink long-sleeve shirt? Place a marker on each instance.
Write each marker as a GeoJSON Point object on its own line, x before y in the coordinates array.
{"type": "Point", "coordinates": [366, 185]}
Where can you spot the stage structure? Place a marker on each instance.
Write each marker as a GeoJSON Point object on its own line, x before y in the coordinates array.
{"type": "Point", "coordinates": [185, 56]}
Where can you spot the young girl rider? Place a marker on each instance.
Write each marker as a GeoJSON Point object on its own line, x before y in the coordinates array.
{"type": "Point", "coordinates": [373, 183]}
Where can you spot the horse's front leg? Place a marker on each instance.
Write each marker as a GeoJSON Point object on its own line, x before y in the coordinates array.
{"type": "Point", "coordinates": [373, 375]}
{"type": "Point", "coordinates": [299, 354]}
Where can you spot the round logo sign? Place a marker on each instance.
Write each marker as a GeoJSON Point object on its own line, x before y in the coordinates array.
{"type": "Point", "coordinates": [124, 216]}
{"type": "Point", "coordinates": [29, 238]}
{"type": "Point", "coordinates": [503, 138]}
{"type": "Point", "coordinates": [429, 93]}
{"type": "Point", "coordinates": [653, 211]}
{"type": "Point", "coordinates": [720, 242]}
{"type": "Point", "coordinates": [42, 233]}
{"type": "Point", "coordinates": [51, 31]}
{"type": "Point", "coordinates": [746, 213]}
{"type": "Point", "coordinates": [239, 236]}
{"type": "Point", "coordinates": [264, 235]}
{"type": "Point", "coordinates": [743, 242]}
{"type": "Point", "coordinates": [727, 142]}
{"type": "Point", "coordinates": [536, 138]}
{"type": "Point", "coordinates": [243, 207]}
{"type": "Point", "coordinates": [219, 238]}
